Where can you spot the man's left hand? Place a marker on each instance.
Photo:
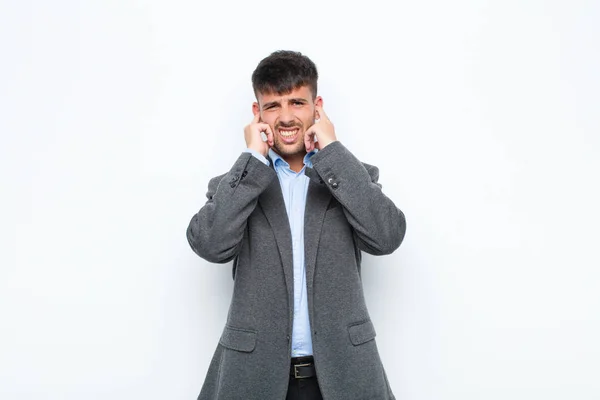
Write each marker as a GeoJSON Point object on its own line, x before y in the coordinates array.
{"type": "Point", "coordinates": [323, 130]}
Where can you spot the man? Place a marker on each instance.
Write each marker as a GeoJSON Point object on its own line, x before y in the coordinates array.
{"type": "Point", "coordinates": [294, 213]}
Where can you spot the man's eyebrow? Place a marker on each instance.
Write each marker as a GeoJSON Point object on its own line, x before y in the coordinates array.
{"type": "Point", "coordinates": [298, 99]}
{"type": "Point", "coordinates": [271, 103]}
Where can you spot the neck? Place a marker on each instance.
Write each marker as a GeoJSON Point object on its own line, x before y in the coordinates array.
{"type": "Point", "coordinates": [295, 161]}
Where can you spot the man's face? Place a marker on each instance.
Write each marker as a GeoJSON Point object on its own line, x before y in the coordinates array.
{"type": "Point", "coordinates": [289, 116]}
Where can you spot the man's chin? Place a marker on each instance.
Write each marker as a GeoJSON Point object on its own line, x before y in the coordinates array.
{"type": "Point", "coordinates": [286, 150]}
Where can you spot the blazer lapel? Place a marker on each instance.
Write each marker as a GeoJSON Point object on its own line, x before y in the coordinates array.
{"type": "Point", "coordinates": [317, 200]}
{"type": "Point", "coordinates": [273, 205]}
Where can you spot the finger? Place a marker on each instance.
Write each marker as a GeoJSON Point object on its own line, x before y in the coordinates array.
{"type": "Point", "coordinates": [270, 138]}
{"type": "Point", "coordinates": [309, 143]}
{"type": "Point", "coordinates": [256, 118]}
{"type": "Point", "coordinates": [321, 113]}
{"type": "Point", "coordinates": [262, 127]}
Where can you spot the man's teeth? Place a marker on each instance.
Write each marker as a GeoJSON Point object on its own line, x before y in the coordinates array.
{"type": "Point", "coordinates": [288, 133]}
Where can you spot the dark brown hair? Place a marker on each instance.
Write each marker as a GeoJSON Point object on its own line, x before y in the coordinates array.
{"type": "Point", "coordinates": [283, 71]}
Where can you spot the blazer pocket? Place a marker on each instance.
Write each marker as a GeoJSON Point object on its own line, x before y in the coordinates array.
{"type": "Point", "coordinates": [238, 339]}
{"type": "Point", "coordinates": [361, 332]}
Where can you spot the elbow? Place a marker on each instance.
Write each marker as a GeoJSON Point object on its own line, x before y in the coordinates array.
{"type": "Point", "coordinates": [392, 236]}
{"type": "Point", "coordinates": [206, 248]}
{"type": "Point", "coordinates": [399, 231]}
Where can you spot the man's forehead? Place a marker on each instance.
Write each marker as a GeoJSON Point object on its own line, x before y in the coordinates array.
{"type": "Point", "coordinates": [301, 92]}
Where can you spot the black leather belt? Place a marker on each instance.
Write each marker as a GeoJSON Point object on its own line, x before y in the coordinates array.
{"type": "Point", "coordinates": [303, 367]}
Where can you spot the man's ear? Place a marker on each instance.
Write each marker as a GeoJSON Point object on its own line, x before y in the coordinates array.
{"type": "Point", "coordinates": [319, 101]}
{"type": "Point", "coordinates": [255, 108]}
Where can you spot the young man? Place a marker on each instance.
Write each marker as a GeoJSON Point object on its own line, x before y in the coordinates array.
{"type": "Point", "coordinates": [294, 214]}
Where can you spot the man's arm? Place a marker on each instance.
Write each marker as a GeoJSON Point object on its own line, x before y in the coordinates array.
{"type": "Point", "coordinates": [216, 231]}
{"type": "Point", "coordinates": [378, 224]}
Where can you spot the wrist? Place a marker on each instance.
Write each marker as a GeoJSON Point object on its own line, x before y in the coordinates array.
{"type": "Point", "coordinates": [261, 152]}
{"type": "Point", "coordinates": [258, 149]}
{"type": "Point", "coordinates": [325, 143]}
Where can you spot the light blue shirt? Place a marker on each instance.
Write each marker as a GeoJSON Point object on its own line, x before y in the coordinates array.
{"type": "Point", "coordinates": [294, 186]}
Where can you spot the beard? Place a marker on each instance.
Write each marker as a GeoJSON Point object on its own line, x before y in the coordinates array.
{"type": "Point", "coordinates": [289, 149]}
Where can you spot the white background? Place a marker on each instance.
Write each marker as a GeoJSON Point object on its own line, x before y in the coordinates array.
{"type": "Point", "coordinates": [482, 116]}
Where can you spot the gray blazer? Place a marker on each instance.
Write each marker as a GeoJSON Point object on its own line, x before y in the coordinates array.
{"type": "Point", "coordinates": [244, 220]}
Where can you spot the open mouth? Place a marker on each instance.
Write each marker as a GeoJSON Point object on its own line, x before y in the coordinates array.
{"type": "Point", "coordinates": [288, 135]}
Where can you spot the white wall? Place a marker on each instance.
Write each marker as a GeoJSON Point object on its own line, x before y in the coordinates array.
{"type": "Point", "coordinates": [482, 116]}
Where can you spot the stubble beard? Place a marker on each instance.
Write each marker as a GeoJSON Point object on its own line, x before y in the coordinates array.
{"type": "Point", "coordinates": [287, 150]}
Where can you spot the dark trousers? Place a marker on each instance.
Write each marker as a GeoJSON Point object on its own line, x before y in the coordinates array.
{"type": "Point", "coordinates": [304, 389]}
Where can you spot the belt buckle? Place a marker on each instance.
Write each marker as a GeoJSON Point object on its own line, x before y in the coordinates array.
{"type": "Point", "coordinates": [296, 371]}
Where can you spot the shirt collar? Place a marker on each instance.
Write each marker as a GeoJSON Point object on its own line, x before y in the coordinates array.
{"type": "Point", "coordinates": [280, 162]}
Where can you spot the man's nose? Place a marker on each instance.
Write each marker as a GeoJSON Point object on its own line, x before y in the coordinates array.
{"type": "Point", "coordinates": [286, 116]}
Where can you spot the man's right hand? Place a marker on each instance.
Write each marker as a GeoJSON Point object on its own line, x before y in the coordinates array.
{"type": "Point", "coordinates": [254, 140]}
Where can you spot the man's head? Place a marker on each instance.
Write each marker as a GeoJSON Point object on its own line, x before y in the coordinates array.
{"type": "Point", "coordinates": [283, 71]}
{"type": "Point", "coordinates": [285, 85]}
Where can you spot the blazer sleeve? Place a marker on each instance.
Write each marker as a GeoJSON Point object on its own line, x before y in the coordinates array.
{"type": "Point", "coordinates": [379, 226]}
{"type": "Point", "coordinates": [215, 232]}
